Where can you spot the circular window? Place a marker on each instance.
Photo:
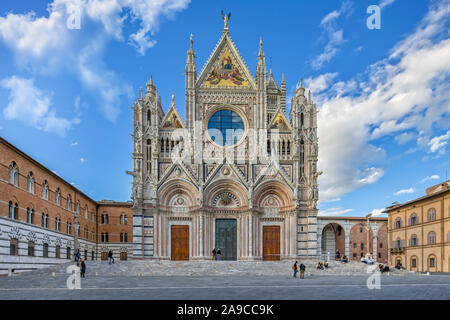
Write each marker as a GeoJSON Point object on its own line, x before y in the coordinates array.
{"type": "Point", "coordinates": [226, 127]}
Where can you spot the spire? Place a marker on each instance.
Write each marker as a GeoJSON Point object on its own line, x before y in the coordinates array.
{"type": "Point", "coordinates": [150, 86]}
{"type": "Point", "coordinates": [192, 42]}
{"type": "Point", "coordinates": [309, 96]}
{"type": "Point", "coordinates": [261, 53]}
{"type": "Point", "coordinates": [283, 93]}
{"type": "Point", "coordinates": [172, 104]}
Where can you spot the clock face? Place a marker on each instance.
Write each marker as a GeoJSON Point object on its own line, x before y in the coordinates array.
{"type": "Point", "coordinates": [226, 127]}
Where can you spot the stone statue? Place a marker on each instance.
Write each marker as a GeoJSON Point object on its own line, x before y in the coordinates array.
{"type": "Point", "coordinates": [225, 19]}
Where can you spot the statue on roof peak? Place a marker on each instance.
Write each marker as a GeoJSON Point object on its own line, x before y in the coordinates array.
{"type": "Point", "coordinates": [225, 19]}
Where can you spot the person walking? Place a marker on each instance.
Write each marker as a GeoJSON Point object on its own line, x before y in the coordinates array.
{"type": "Point", "coordinates": [110, 256]}
{"type": "Point", "coordinates": [302, 271]}
{"type": "Point", "coordinates": [214, 254]}
{"type": "Point", "coordinates": [83, 268]}
{"type": "Point", "coordinates": [218, 253]}
{"type": "Point", "coordinates": [294, 267]}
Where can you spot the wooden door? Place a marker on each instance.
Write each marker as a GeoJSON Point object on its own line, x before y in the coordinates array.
{"type": "Point", "coordinates": [123, 256]}
{"type": "Point", "coordinates": [271, 243]}
{"type": "Point", "coordinates": [179, 242]}
{"type": "Point", "coordinates": [104, 256]}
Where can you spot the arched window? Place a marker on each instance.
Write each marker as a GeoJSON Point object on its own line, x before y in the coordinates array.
{"type": "Point", "coordinates": [431, 262]}
{"type": "Point", "coordinates": [149, 118]}
{"type": "Point", "coordinates": [68, 253]}
{"type": "Point", "coordinates": [86, 212]}
{"type": "Point", "coordinates": [126, 237]}
{"type": "Point", "coordinates": [431, 214]}
{"type": "Point", "coordinates": [45, 250]}
{"type": "Point", "coordinates": [58, 252]}
{"type": "Point", "coordinates": [30, 182]}
{"type": "Point", "coordinates": [16, 212]}
{"type": "Point", "coordinates": [77, 208]}
{"type": "Point", "coordinates": [69, 227]}
{"type": "Point", "coordinates": [121, 237]}
{"type": "Point", "coordinates": [30, 215]}
{"type": "Point", "coordinates": [13, 174]}
{"type": "Point", "coordinates": [10, 210]}
{"type": "Point", "coordinates": [57, 223]}
{"type": "Point", "coordinates": [45, 190]}
{"type": "Point", "coordinates": [30, 248]}
{"type": "Point", "coordinates": [69, 203]}
{"type": "Point", "coordinates": [413, 241]}
{"type": "Point", "coordinates": [58, 197]}
{"type": "Point", "coordinates": [413, 220]}
{"type": "Point", "coordinates": [105, 218]}
{"type": "Point", "coordinates": [14, 247]}
{"type": "Point", "coordinates": [106, 237]}
{"type": "Point", "coordinates": [398, 223]}
{"type": "Point", "coordinates": [432, 237]}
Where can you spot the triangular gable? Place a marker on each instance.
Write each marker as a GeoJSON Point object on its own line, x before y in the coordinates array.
{"type": "Point", "coordinates": [280, 122]}
{"type": "Point", "coordinates": [225, 68]}
{"type": "Point", "coordinates": [172, 120]}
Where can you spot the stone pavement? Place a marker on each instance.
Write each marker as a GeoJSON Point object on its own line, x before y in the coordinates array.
{"type": "Point", "coordinates": [47, 287]}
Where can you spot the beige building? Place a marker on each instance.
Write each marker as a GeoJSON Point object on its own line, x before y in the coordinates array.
{"type": "Point", "coordinates": [419, 231]}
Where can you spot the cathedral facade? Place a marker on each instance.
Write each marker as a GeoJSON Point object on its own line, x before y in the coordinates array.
{"type": "Point", "coordinates": [237, 173]}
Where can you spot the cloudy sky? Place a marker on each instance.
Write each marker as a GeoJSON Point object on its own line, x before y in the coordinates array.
{"type": "Point", "coordinates": [383, 95]}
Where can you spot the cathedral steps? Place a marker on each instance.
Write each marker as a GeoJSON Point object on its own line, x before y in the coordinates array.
{"type": "Point", "coordinates": [210, 268]}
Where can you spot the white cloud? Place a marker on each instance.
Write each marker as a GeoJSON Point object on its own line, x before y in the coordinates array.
{"type": "Point", "coordinates": [321, 82]}
{"type": "Point", "coordinates": [82, 160]}
{"type": "Point", "coordinates": [31, 106]}
{"type": "Point", "coordinates": [44, 44]}
{"type": "Point", "coordinates": [335, 35]}
{"type": "Point", "coordinates": [377, 212]}
{"type": "Point", "coordinates": [433, 177]}
{"type": "Point", "coordinates": [405, 191]}
{"type": "Point", "coordinates": [333, 212]}
{"type": "Point", "coordinates": [404, 137]}
{"type": "Point", "coordinates": [73, 144]}
{"type": "Point", "coordinates": [385, 3]}
{"type": "Point", "coordinates": [437, 144]}
{"type": "Point", "coordinates": [409, 90]}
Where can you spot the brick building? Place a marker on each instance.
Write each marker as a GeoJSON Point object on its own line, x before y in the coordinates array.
{"type": "Point", "coordinates": [39, 212]}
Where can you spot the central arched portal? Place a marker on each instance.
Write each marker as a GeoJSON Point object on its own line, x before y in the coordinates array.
{"type": "Point", "coordinates": [226, 238]}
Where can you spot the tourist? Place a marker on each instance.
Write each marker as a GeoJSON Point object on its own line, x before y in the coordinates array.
{"type": "Point", "coordinates": [338, 254]}
{"type": "Point", "coordinates": [320, 266]}
{"type": "Point", "coordinates": [294, 267]}
{"type": "Point", "coordinates": [325, 265]}
{"type": "Point", "coordinates": [302, 271]}
{"type": "Point", "coordinates": [218, 253]}
{"type": "Point", "coordinates": [83, 268]}
{"type": "Point", "coordinates": [110, 256]}
{"type": "Point", "coordinates": [77, 256]}
{"type": "Point", "coordinates": [214, 254]}
{"type": "Point", "coordinates": [344, 259]}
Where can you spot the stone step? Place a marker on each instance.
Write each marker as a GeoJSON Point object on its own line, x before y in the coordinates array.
{"type": "Point", "coordinates": [194, 268]}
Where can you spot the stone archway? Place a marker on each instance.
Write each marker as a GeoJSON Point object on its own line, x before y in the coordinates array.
{"type": "Point", "coordinates": [333, 239]}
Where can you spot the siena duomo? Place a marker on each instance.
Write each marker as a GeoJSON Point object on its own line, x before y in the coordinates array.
{"type": "Point", "coordinates": [237, 173]}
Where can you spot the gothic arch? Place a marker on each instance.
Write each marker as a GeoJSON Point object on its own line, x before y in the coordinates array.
{"type": "Point", "coordinates": [177, 192]}
{"type": "Point", "coordinates": [236, 191]}
{"type": "Point", "coordinates": [270, 193]}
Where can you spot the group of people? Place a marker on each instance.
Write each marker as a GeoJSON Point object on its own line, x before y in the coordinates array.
{"type": "Point", "coordinates": [216, 254]}
{"type": "Point", "coordinates": [322, 266]}
{"type": "Point", "coordinates": [399, 266]}
{"type": "Point", "coordinates": [368, 259]}
{"type": "Point", "coordinates": [302, 268]}
{"type": "Point", "coordinates": [80, 263]}
{"type": "Point", "coordinates": [343, 259]}
{"type": "Point", "coordinates": [383, 268]}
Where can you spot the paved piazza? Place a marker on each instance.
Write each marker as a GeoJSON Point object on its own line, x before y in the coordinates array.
{"type": "Point", "coordinates": [339, 287]}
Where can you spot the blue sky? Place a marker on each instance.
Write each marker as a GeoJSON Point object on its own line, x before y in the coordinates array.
{"type": "Point", "coordinates": [383, 95]}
